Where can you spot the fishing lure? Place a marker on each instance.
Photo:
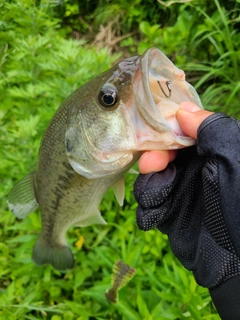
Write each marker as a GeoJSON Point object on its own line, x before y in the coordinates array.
{"type": "Point", "coordinates": [121, 275]}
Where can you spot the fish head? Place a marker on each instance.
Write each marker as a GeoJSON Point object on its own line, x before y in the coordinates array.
{"type": "Point", "coordinates": [125, 110]}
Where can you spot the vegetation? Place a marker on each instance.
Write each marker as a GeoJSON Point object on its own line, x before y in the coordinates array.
{"type": "Point", "coordinates": [49, 48]}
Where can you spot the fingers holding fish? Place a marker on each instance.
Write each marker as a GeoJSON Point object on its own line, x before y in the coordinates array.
{"type": "Point", "coordinates": [155, 160]}
{"type": "Point", "coordinates": [189, 118]}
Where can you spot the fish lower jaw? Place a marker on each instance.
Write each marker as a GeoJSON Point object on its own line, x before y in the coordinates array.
{"type": "Point", "coordinates": [163, 141]}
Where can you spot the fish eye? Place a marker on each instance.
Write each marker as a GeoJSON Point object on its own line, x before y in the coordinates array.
{"type": "Point", "coordinates": [107, 97]}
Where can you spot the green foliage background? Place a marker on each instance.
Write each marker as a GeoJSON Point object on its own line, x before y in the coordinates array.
{"type": "Point", "coordinates": [48, 49]}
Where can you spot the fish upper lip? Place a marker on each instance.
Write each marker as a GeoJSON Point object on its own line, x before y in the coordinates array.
{"type": "Point", "coordinates": [159, 74]}
{"type": "Point", "coordinates": [168, 81]}
{"type": "Point", "coordinates": [145, 101]}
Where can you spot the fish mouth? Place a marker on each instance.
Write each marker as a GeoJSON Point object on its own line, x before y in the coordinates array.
{"type": "Point", "coordinates": [159, 89]}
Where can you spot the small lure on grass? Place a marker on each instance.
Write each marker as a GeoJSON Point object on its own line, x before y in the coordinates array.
{"type": "Point", "coordinates": [121, 275]}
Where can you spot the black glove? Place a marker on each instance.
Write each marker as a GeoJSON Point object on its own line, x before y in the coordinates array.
{"type": "Point", "coordinates": [196, 202]}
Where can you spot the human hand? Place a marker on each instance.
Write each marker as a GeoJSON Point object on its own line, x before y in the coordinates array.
{"type": "Point", "coordinates": [195, 201]}
{"type": "Point", "coordinates": [189, 117]}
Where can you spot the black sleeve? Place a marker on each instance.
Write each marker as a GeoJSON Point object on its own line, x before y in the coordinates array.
{"type": "Point", "coordinates": [219, 136]}
{"type": "Point", "coordinates": [226, 146]}
{"type": "Point", "coordinates": [226, 298]}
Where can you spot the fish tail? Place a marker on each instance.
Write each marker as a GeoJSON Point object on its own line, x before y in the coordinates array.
{"type": "Point", "coordinates": [59, 256]}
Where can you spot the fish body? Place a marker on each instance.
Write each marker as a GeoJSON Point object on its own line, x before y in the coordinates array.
{"type": "Point", "coordinates": [93, 140]}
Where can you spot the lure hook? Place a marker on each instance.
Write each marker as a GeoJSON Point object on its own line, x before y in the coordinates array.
{"type": "Point", "coordinates": [169, 90]}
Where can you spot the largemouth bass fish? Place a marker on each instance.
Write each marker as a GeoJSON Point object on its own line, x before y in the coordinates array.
{"type": "Point", "coordinates": [93, 140]}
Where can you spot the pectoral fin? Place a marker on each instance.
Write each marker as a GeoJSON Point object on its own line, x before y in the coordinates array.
{"type": "Point", "coordinates": [21, 199]}
{"type": "Point", "coordinates": [119, 191]}
{"type": "Point", "coordinates": [133, 171]}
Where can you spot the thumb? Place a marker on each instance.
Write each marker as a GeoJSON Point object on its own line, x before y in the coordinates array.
{"type": "Point", "coordinates": [189, 117]}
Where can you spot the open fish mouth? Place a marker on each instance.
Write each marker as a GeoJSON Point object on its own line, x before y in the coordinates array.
{"type": "Point", "coordinates": [161, 89]}
{"type": "Point", "coordinates": [150, 89]}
